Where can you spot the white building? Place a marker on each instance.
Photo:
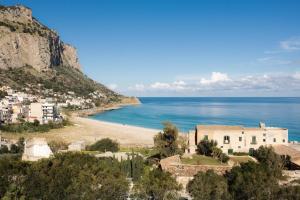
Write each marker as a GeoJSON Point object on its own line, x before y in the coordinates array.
{"type": "Point", "coordinates": [50, 112]}
{"type": "Point", "coordinates": [237, 138]}
{"type": "Point", "coordinates": [35, 149]}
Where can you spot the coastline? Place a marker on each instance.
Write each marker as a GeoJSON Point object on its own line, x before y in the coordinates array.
{"type": "Point", "coordinates": [91, 130]}
{"type": "Point", "coordinates": [128, 101]}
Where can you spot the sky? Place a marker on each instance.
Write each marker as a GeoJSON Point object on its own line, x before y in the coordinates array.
{"type": "Point", "coordinates": [182, 47]}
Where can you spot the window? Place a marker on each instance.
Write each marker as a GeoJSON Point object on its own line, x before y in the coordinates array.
{"type": "Point", "coordinates": [226, 139]}
{"type": "Point", "coordinates": [239, 147]}
{"type": "Point", "coordinates": [243, 132]}
{"type": "Point", "coordinates": [274, 140]}
{"type": "Point", "coordinates": [240, 139]}
{"type": "Point", "coordinates": [283, 140]}
{"type": "Point", "coordinates": [253, 140]}
{"type": "Point", "coordinates": [264, 140]}
{"type": "Point", "coordinates": [264, 134]}
{"type": "Point", "coordinates": [221, 147]}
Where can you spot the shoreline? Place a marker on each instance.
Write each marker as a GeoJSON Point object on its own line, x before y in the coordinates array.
{"type": "Point", "coordinates": [129, 101]}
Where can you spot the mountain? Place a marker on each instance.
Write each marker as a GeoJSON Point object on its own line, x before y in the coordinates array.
{"type": "Point", "coordinates": [34, 59]}
{"type": "Point", "coordinates": [25, 41]}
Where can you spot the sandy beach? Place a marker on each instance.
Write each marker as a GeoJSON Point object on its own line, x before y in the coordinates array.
{"type": "Point", "coordinates": [90, 130]}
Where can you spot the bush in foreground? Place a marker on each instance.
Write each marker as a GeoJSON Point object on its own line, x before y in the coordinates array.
{"type": "Point", "coordinates": [156, 184]}
{"type": "Point", "coordinates": [67, 176]}
{"type": "Point", "coordinates": [208, 185]}
{"type": "Point", "coordinates": [104, 145]}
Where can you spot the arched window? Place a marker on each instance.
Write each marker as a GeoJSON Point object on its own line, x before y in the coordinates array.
{"type": "Point", "coordinates": [226, 139]}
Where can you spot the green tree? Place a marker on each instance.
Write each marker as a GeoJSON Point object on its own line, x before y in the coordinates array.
{"type": "Point", "coordinates": [251, 181]}
{"type": "Point", "coordinates": [270, 160]}
{"type": "Point", "coordinates": [3, 149]}
{"type": "Point", "coordinates": [12, 173]}
{"type": "Point", "coordinates": [55, 146]}
{"type": "Point", "coordinates": [14, 149]}
{"type": "Point", "coordinates": [104, 145]}
{"type": "Point", "coordinates": [207, 186]}
{"type": "Point", "coordinates": [155, 184]}
{"type": "Point", "coordinates": [206, 147]}
{"type": "Point", "coordinates": [36, 122]}
{"type": "Point", "coordinates": [21, 144]}
{"type": "Point", "coordinates": [290, 192]}
{"type": "Point", "coordinates": [75, 176]}
{"type": "Point", "coordinates": [166, 142]}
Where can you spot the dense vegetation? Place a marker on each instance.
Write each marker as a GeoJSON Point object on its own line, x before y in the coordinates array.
{"type": "Point", "coordinates": [166, 142]}
{"type": "Point", "coordinates": [81, 176]}
{"type": "Point", "coordinates": [104, 145]}
{"type": "Point", "coordinates": [29, 127]}
{"type": "Point", "coordinates": [250, 180]}
{"type": "Point", "coordinates": [209, 148]}
{"type": "Point", "coordinates": [59, 79]}
{"type": "Point", "coordinates": [17, 148]}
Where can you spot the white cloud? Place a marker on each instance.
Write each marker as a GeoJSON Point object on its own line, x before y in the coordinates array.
{"type": "Point", "coordinates": [291, 44]}
{"type": "Point", "coordinates": [137, 87]}
{"type": "Point", "coordinates": [159, 85]}
{"type": "Point", "coordinates": [297, 75]}
{"type": "Point", "coordinates": [274, 61]}
{"type": "Point", "coordinates": [215, 78]}
{"type": "Point", "coordinates": [112, 86]}
{"type": "Point", "coordinates": [220, 82]}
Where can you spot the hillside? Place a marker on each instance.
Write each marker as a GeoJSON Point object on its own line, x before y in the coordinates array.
{"type": "Point", "coordinates": [34, 60]}
{"type": "Point", "coordinates": [57, 82]}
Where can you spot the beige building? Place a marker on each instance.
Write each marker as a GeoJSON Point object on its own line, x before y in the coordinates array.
{"type": "Point", "coordinates": [237, 138]}
{"type": "Point", "coordinates": [36, 112]}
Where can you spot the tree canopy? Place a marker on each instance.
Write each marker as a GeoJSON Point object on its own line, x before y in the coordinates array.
{"type": "Point", "coordinates": [207, 186]}
{"type": "Point", "coordinates": [104, 145]}
{"type": "Point", "coordinates": [166, 142]}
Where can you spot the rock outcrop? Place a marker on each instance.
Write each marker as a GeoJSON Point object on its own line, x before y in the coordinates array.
{"type": "Point", "coordinates": [24, 41]}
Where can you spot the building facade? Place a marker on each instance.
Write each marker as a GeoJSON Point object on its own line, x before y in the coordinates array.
{"type": "Point", "coordinates": [237, 138]}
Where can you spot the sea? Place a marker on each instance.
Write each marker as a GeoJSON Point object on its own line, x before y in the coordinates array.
{"type": "Point", "coordinates": [186, 112]}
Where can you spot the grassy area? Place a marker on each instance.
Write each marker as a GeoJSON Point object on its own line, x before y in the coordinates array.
{"type": "Point", "coordinates": [240, 159]}
{"type": "Point", "coordinates": [201, 160]}
{"type": "Point", "coordinates": [142, 150]}
{"type": "Point", "coordinates": [29, 127]}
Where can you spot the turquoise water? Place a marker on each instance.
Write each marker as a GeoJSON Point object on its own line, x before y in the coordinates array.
{"type": "Point", "coordinates": [187, 112]}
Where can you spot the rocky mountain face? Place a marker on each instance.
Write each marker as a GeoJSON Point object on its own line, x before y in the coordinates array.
{"type": "Point", "coordinates": [24, 41]}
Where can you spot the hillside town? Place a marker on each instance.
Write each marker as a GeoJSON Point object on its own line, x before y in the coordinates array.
{"type": "Point", "coordinates": [16, 106]}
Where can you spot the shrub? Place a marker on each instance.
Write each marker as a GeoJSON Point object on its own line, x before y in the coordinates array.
{"type": "Point", "coordinates": [223, 158]}
{"type": "Point", "coordinates": [156, 184]}
{"type": "Point", "coordinates": [3, 149]}
{"type": "Point", "coordinates": [55, 146]}
{"type": "Point", "coordinates": [205, 147]}
{"type": "Point", "coordinates": [166, 142]}
{"type": "Point", "coordinates": [208, 185]}
{"type": "Point", "coordinates": [104, 145]}
{"type": "Point", "coordinates": [270, 160]}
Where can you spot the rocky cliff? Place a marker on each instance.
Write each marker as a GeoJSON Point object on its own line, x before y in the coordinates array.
{"type": "Point", "coordinates": [24, 41]}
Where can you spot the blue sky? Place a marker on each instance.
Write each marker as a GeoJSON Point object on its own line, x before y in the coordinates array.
{"type": "Point", "coordinates": [182, 48]}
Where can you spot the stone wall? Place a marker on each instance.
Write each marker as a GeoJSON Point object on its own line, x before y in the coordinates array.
{"type": "Point", "coordinates": [175, 167]}
{"type": "Point", "coordinates": [191, 170]}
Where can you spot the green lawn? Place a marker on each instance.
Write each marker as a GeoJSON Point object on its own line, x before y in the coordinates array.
{"type": "Point", "coordinates": [240, 159]}
{"type": "Point", "coordinates": [201, 160]}
{"type": "Point", "coordinates": [147, 152]}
